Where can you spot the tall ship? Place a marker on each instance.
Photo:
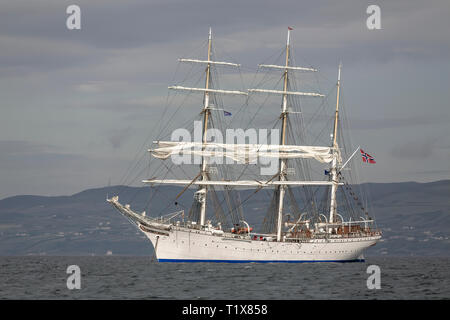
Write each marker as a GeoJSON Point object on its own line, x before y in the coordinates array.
{"type": "Point", "coordinates": [306, 206]}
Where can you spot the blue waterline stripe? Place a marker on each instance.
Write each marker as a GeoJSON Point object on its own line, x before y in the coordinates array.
{"type": "Point", "coordinates": [259, 261]}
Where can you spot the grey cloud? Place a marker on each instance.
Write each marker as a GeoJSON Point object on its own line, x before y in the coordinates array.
{"type": "Point", "coordinates": [114, 73]}
{"type": "Point", "coordinates": [119, 136]}
{"type": "Point", "coordinates": [325, 29]}
{"type": "Point", "coordinates": [434, 172]}
{"type": "Point", "coordinates": [414, 149]}
{"type": "Point", "coordinates": [35, 168]}
{"type": "Point", "coordinates": [25, 155]}
{"type": "Point", "coordinates": [18, 147]}
{"type": "Point", "coordinates": [389, 123]}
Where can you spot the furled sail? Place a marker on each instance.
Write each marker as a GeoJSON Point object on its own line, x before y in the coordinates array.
{"type": "Point", "coordinates": [241, 153]}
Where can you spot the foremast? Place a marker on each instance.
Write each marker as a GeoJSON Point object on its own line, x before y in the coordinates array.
{"type": "Point", "coordinates": [201, 194]}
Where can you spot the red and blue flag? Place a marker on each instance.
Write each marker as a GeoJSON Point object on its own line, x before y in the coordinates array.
{"type": "Point", "coordinates": [367, 157]}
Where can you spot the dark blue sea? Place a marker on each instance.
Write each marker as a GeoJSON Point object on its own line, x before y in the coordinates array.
{"type": "Point", "coordinates": [122, 277]}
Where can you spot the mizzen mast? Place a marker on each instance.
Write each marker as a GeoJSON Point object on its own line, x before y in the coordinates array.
{"type": "Point", "coordinates": [333, 172]}
{"type": "Point", "coordinates": [201, 193]}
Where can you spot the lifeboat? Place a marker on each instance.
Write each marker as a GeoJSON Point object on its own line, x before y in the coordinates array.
{"type": "Point", "coordinates": [241, 230]}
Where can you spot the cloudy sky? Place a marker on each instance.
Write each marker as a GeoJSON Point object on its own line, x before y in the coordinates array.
{"type": "Point", "coordinates": [76, 105]}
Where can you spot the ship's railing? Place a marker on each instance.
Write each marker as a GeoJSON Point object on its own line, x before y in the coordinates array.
{"type": "Point", "coordinates": [359, 234]}
{"type": "Point", "coordinates": [168, 217]}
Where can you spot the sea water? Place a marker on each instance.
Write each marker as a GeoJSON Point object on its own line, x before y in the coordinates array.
{"type": "Point", "coordinates": [122, 277]}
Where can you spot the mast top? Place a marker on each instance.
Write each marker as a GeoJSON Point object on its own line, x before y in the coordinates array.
{"type": "Point", "coordinates": [338, 86]}
{"type": "Point", "coordinates": [289, 35]}
{"type": "Point", "coordinates": [339, 71]}
{"type": "Point", "coordinates": [210, 34]}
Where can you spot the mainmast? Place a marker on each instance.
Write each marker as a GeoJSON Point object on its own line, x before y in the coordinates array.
{"type": "Point", "coordinates": [284, 115]}
{"type": "Point", "coordinates": [333, 172]}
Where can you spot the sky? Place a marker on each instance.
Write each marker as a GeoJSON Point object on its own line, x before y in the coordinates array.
{"type": "Point", "coordinates": [77, 105]}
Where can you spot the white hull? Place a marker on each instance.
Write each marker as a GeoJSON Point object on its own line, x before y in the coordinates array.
{"type": "Point", "coordinates": [187, 245]}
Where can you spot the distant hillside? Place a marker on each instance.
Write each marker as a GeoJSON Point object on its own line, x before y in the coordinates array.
{"type": "Point", "coordinates": [414, 217]}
